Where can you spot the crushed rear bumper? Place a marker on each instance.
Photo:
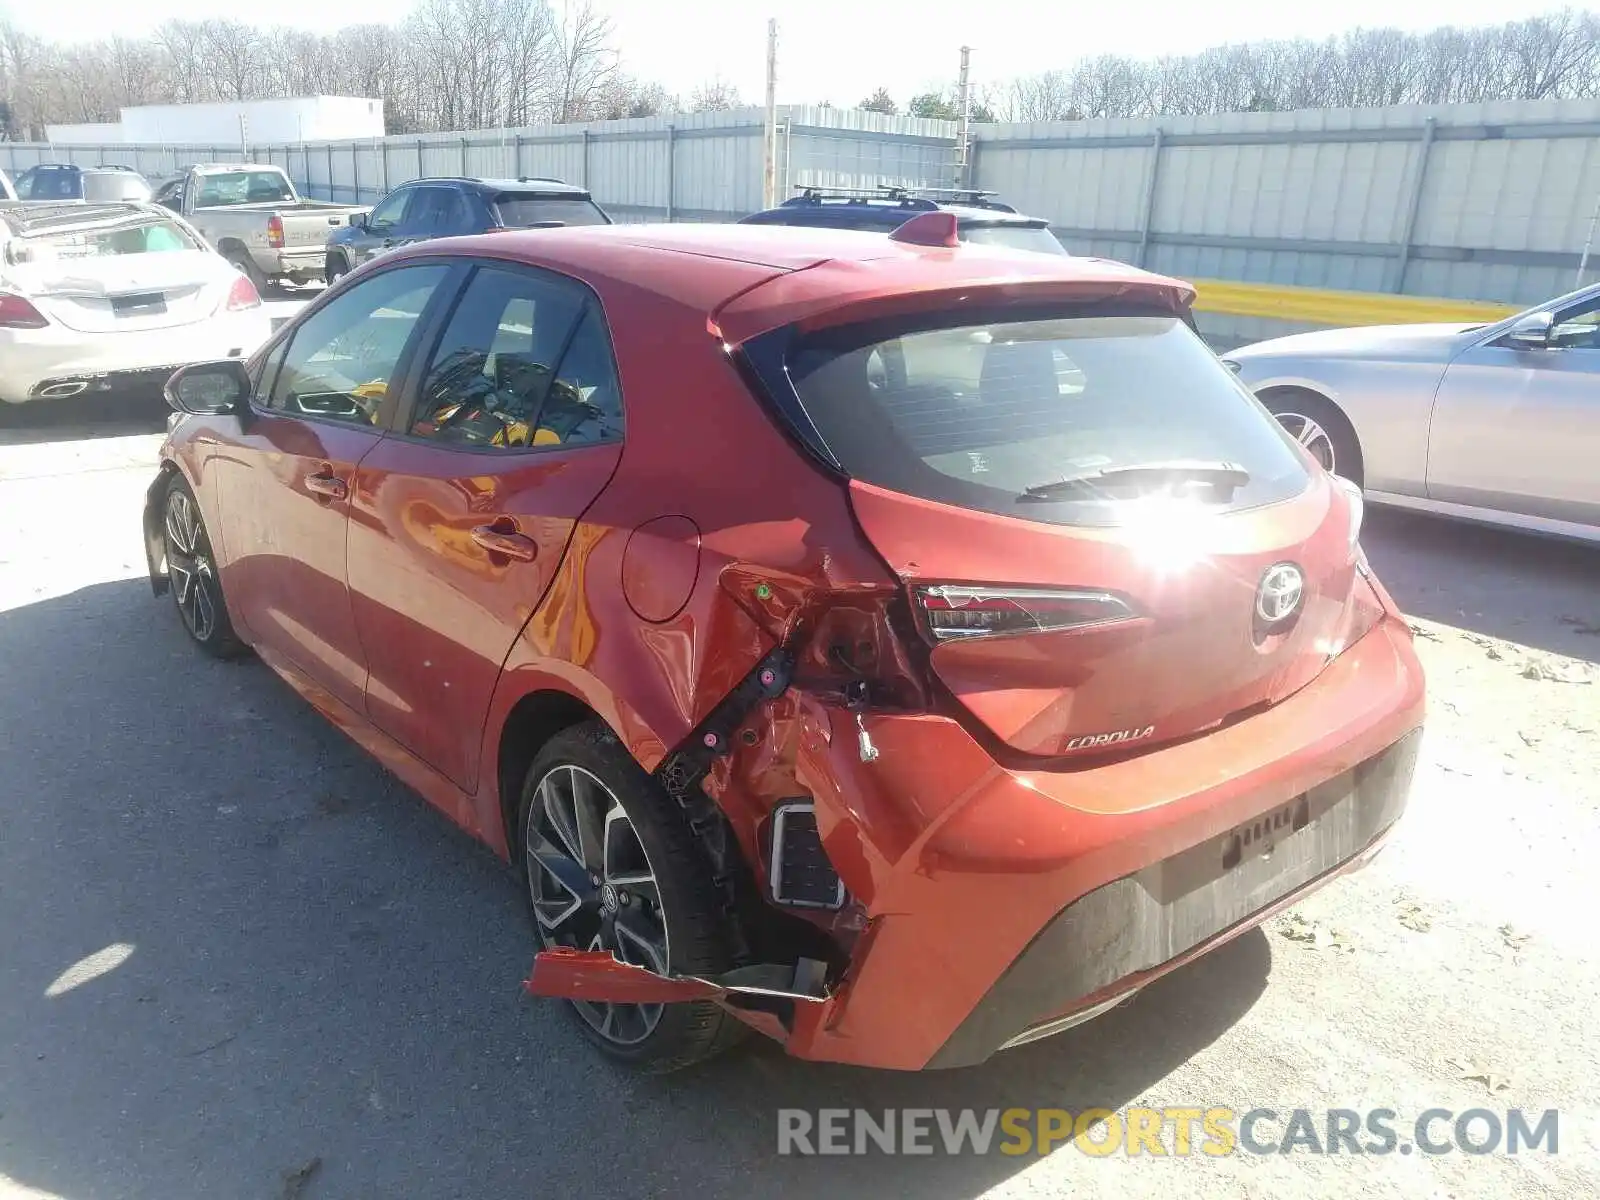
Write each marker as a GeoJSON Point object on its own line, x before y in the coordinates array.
{"type": "Point", "coordinates": [1006, 904]}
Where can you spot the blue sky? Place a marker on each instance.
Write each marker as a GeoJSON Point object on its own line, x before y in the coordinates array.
{"type": "Point", "coordinates": [841, 50]}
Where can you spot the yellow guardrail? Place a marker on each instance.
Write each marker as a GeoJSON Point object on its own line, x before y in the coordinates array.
{"type": "Point", "coordinates": [1320, 306]}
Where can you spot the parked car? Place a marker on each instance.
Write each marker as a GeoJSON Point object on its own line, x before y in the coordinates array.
{"type": "Point", "coordinates": [100, 296]}
{"type": "Point", "coordinates": [905, 650]}
{"type": "Point", "coordinates": [254, 217]}
{"type": "Point", "coordinates": [430, 208]}
{"type": "Point", "coordinates": [56, 183]}
{"type": "Point", "coordinates": [1492, 423]}
{"type": "Point", "coordinates": [979, 216]}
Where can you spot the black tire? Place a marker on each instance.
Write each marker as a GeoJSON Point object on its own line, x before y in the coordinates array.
{"type": "Point", "coordinates": [690, 908]}
{"type": "Point", "coordinates": [1333, 441]}
{"type": "Point", "coordinates": [247, 267]}
{"type": "Point", "coordinates": [192, 577]}
{"type": "Point", "coordinates": [334, 269]}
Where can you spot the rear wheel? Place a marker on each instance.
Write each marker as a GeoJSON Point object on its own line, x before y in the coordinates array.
{"type": "Point", "coordinates": [1317, 424]}
{"type": "Point", "coordinates": [192, 576]}
{"type": "Point", "coordinates": [611, 865]}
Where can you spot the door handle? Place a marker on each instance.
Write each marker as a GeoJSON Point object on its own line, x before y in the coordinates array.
{"type": "Point", "coordinates": [502, 538]}
{"type": "Point", "coordinates": [325, 483]}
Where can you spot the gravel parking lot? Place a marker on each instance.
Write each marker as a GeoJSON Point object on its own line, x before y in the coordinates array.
{"type": "Point", "coordinates": [301, 981]}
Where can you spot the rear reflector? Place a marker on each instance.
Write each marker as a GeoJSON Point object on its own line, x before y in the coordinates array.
{"type": "Point", "coordinates": [951, 611]}
{"type": "Point", "coordinates": [275, 232]}
{"type": "Point", "coordinates": [243, 295]}
{"type": "Point", "coordinates": [17, 313]}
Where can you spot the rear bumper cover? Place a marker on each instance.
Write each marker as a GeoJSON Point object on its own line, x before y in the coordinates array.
{"type": "Point", "coordinates": [36, 359]}
{"type": "Point", "coordinates": [1126, 929]}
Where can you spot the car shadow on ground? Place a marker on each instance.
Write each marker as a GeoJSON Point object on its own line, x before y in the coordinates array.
{"type": "Point", "coordinates": [232, 949]}
{"type": "Point", "coordinates": [78, 418]}
{"type": "Point", "coordinates": [1535, 591]}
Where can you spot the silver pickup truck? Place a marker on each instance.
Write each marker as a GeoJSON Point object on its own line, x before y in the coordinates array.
{"type": "Point", "coordinates": [256, 220]}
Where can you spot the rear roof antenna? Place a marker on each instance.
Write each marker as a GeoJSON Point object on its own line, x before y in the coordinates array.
{"type": "Point", "coordinates": [929, 229]}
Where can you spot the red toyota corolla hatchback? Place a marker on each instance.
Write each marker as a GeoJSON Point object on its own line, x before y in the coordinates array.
{"type": "Point", "coordinates": [906, 650]}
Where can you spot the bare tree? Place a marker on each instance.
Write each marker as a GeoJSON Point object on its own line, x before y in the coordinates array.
{"type": "Point", "coordinates": [236, 55]}
{"type": "Point", "coordinates": [717, 95]}
{"type": "Point", "coordinates": [585, 64]}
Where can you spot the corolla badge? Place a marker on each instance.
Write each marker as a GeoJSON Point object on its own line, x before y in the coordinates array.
{"type": "Point", "coordinates": [1278, 596]}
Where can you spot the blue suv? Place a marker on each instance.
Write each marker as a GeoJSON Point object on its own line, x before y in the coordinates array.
{"type": "Point", "coordinates": [979, 217]}
{"type": "Point", "coordinates": [434, 208]}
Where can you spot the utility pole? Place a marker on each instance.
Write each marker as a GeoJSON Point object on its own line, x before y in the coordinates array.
{"type": "Point", "coordinates": [244, 137]}
{"type": "Point", "coordinates": [769, 180]}
{"type": "Point", "coordinates": [1588, 244]}
{"type": "Point", "coordinates": [964, 109]}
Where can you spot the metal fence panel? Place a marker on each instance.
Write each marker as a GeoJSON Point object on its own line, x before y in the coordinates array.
{"type": "Point", "coordinates": [1487, 201]}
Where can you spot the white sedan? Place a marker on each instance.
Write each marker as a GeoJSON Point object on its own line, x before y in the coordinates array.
{"type": "Point", "coordinates": [95, 297]}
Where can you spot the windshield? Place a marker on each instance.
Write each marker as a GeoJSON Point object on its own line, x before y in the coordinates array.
{"type": "Point", "coordinates": [1017, 237]}
{"type": "Point", "coordinates": [151, 236]}
{"type": "Point", "coordinates": [522, 211]}
{"type": "Point", "coordinates": [987, 416]}
{"type": "Point", "coordinates": [243, 187]}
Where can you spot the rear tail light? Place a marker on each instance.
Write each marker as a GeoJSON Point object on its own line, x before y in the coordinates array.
{"type": "Point", "coordinates": [1358, 509]}
{"type": "Point", "coordinates": [275, 232]}
{"type": "Point", "coordinates": [243, 295]}
{"type": "Point", "coordinates": [950, 611]}
{"type": "Point", "coordinates": [18, 313]}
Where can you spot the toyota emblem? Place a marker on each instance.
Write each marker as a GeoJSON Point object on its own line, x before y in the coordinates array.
{"type": "Point", "coordinates": [1282, 588]}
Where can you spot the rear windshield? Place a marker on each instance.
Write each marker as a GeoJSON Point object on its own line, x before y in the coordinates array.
{"type": "Point", "coordinates": [242, 187]}
{"type": "Point", "coordinates": [142, 237]}
{"type": "Point", "coordinates": [1037, 238]}
{"type": "Point", "coordinates": [523, 212]}
{"type": "Point", "coordinates": [1046, 420]}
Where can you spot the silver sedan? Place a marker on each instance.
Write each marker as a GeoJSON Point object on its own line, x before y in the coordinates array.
{"type": "Point", "coordinates": [1496, 423]}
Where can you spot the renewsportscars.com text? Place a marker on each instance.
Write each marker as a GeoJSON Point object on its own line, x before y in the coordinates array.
{"type": "Point", "coordinates": [1170, 1132]}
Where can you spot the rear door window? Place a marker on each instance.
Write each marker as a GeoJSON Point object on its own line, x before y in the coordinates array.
{"type": "Point", "coordinates": [524, 363]}
{"type": "Point", "coordinates": [1061, 420]}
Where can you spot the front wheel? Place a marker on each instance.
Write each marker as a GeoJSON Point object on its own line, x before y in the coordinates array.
{"type": "Point", "coordinates": [335, 269]}
{"type": "Point", "coordinates": [611, 865]}
{"type": "Point", "coordinates": [1317, 424]}
{"type": "Point", "coordinates": [192, 576]}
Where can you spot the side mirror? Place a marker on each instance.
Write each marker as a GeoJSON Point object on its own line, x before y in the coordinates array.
{"type": "Point", "coordinates": [1532, 332]}
{"type": "Point", "coordinates": [209, 388]}
{"type": "Point", "coordinates": [359, 220]}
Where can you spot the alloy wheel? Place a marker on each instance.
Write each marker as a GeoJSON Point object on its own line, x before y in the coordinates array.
{"type": "Point", "coordinates": [1311, 435]}
{"type": "Point", "coordinates": [189, 567]}
{"type": "Point", "coordinates": [593, 889]}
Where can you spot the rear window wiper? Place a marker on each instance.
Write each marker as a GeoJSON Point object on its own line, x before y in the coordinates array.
{"type": "Point", "coordinates": [1224, 476]}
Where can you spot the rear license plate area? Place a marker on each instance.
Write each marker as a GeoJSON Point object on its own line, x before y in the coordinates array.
{"type": "Point", "coordinates": [143, 304]}
{"type": "Point", "coordinates": [1258, 837]}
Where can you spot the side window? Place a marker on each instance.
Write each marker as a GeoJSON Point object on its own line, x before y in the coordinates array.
{"type": "Point", "coordinates": [261, 393]}
{"type": "Point", "coordinates": [422, 214]}
{"type": "Point", "coordinates": [390, 213]}
{"type": "Point", "coordinates": [525, 362]}
{"type": "Point", "coordinates": [450, 219]}
{"type": "Point", "coordinates": [341, 360]}
{"type": "Point", "coordinates": [1578, 328]}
